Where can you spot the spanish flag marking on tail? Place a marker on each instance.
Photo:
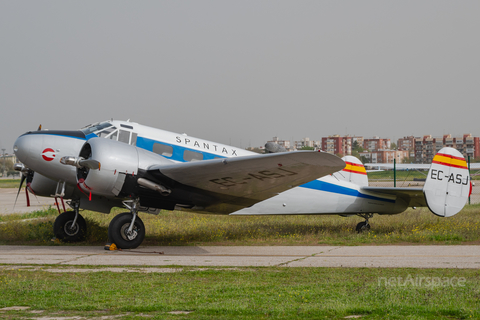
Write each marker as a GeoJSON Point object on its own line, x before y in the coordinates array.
{"type": "Point", "coordinates": [354, 168]}
{"type": "Point", "coordinates": [450, 161]}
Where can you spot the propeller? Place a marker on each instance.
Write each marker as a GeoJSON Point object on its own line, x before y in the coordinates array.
{"type": "Point", "coordinates": [90, 163]}
{"type": "Point", "coordinates": [272, 147]}
{"type": "Point", "coordinates": [27, 175]}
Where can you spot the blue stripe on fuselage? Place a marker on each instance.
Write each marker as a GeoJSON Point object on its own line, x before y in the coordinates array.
{"type": "Point", "coordinates": [178, 151]}
{"type": "Point", "coordinates": [333, 188]}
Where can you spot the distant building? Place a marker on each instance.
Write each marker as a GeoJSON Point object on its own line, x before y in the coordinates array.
{"type": "Point", "coordinates": [406, 143]}
{"type": "Point", "coordinates": [337, 145]}
{"type": "Point", "coordinates": [428, 146]}
{"type": "Point", "coordinates": [306, 142]}
{"type": "Point", "coordinates": [385, 156]}
{"type": "Point", "coordinates": [376, 143]}
{"type": "Point", "coordinates": [283, 143]}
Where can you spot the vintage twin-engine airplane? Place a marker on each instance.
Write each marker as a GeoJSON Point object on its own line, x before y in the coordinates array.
{"type": "Point", "coordinates": [125, 164]}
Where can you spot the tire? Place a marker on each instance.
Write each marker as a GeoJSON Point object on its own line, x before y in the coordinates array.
{"type": "Point", "coordinates": [62, 228]}
{"type": "Point", "coordinates": [362, 227]}
{"type": "Point", "coordinates": [118, 228]}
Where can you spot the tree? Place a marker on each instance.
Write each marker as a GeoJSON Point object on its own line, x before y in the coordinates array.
{"type": "Point", "coordinates": [393, 146]}
{"type": "Point", "coordinates": [356, 147]}
{"type": "Point", "coordinates": [7, 165]}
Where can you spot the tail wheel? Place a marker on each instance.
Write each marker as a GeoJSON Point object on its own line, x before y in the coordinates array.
{"type": "Point", "coordinates": [65, 230]}
{"type": "Point", "coordinates": [118, 231]}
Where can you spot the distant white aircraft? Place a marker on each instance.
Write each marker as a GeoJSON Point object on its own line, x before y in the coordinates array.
{"type": "Point", "coordinates": [125, 164]}
{"type": "Point", "coordinates": [411, 166]}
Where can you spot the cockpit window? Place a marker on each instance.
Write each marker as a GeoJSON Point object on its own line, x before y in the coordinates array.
{"type": "Point", "coordinates": [93, 128]}
{"type": "Point", "coordinates": [109, 131]}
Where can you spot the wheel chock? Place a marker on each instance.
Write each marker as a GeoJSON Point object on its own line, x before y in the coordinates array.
{"type": "Point", "coordinates": [111, 247]}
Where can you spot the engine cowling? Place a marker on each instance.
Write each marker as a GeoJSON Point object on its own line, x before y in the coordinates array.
{"type": "Point", "coordinates": [116, 161]}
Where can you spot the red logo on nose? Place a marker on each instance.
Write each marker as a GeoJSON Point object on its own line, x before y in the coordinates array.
{"type": "Point", "coordinates": [48, 154]}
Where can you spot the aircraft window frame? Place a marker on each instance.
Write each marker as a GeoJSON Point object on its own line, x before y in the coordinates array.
{"type": "Point", "coordinates": [125, 126]}
{"type": "Point", "coordinates": [162, 149]}
{"type": "Point", "coordinates": [94, 128]}
{"type": "Point", "coordinates": [190, 155]}
{"type": "Point", "coordinates": [113, 135]}
{"type": "Point", "coordinates": [105, 133]}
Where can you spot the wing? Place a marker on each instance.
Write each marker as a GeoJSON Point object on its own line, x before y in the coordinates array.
{"type": "Point", "coordinates": [413, 197]}
{"type": "Point", "coordinates": [227, 185]}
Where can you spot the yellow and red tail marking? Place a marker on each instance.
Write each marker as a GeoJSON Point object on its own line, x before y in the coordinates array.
{"type": "Point", "coordinates": [450, 161]}
{"type": "Point", "coordinates": [355, 168]}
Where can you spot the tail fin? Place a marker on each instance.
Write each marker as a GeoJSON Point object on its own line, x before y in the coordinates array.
{"type": "Point", "coordinates": [447, 186]}
{"type": "Point", "coordinates": [354, 172]}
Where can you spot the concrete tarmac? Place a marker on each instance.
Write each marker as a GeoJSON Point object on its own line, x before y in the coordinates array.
{"type": "Point", "coordinates": [228, 256]}
{"type": "Point", "coordinates": [286, 256]}
{"type": "Point", "coordinates": [8, 206]}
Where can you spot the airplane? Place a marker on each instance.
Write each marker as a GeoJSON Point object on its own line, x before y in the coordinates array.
{"type": "Point", "coordinates": [412, 166]}
{"type": "Point", "coordinates": [124, 164]}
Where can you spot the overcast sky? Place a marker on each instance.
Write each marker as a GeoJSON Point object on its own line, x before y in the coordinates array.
{"type": "Point", "coordinates": [241, 72]}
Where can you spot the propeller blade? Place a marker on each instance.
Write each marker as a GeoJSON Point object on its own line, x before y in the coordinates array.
{"type": "Point", "coordinates": [90, 163]}
{"type": "Point", "coordinates": [24, 177]}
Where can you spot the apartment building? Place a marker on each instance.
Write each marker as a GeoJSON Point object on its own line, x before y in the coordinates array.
{"type": "Point", "coordinates": [427, 146]}
{"type": "Point", "coordinates": [283, 143]}
{"type": "Point", "coordinates": [376, 143]}
{"type": "Point", "coordinates": [385, 156]}
{"type": "Point", "coordinates": [306, 142]}
{"type": "Point", "coordinates": [337, 145]}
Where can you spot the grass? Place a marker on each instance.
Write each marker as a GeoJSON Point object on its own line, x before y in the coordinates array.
{"type": "Point", "coordinates": [245, 293]}
{"type": "Point", "coordinates": [9, 183]}
{"type": "Point", "coordinates": [184, 228]}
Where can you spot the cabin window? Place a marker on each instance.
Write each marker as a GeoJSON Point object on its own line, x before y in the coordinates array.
{"type": "Point", "coordinates": [124, 136]}
{"type": "Point", "coordinates": [133, 141]}
{"type": "Point", "coordinates": [162, 149]}
{"type": "Point", "coordinates": [189, 155]}
{"type": "Point", "coordinates": [105, 133]}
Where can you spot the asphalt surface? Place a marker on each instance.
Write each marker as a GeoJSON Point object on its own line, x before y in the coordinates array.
{"type": "Point", "coordinates": [229, 256]}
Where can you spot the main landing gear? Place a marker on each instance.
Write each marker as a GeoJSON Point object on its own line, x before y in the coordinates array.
{"type": "Point", "coordinates": [364, 225]}
{"type": "Point", "coordinates": [127, 230]}
{"type": "Point", "coordinates": [70, 226]}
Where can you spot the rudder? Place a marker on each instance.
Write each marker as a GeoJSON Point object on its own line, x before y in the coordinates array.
{"type": "Point", "coordinates": [354, 171]}
{"type": "Point", "coordinates": [447, 186]}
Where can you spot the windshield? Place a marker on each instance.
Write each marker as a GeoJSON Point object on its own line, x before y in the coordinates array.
{"type": "Point", "coordinates": [94, 128]}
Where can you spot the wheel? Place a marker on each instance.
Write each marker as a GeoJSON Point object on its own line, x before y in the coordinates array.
{"type": "Point", "coordinates": [118, 231]}
{"type": "Point", "coordinates": [362, 226]}
{"type": "Point", "coordinates": [65, 231]}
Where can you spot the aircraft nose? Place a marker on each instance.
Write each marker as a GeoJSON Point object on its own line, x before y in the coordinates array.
{"type": "Point", "coordinates": [23, 148]}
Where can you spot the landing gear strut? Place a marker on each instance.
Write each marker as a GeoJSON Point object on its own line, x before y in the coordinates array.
{"type": "Point", "coordinates": [127, 230]}
{"type": "Point", "coordinates": [364, 225]}
{"type": "Point", "coordinates": [70, 226]}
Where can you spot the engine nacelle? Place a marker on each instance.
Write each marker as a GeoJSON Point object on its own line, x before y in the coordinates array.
{"type": "Point", "coordinates": [117, 160]}
{"type": "Point", "coordinates": [46, 187]}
